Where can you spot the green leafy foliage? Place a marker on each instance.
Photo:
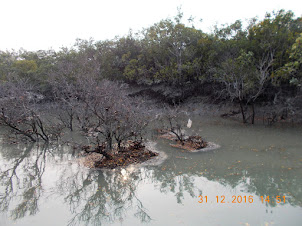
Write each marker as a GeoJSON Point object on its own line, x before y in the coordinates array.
{"type": "Point", "coordinates": [176, 54]}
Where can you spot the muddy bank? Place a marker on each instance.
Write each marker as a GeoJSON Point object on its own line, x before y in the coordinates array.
{"type": "Point", "coordinates": [200, 100]}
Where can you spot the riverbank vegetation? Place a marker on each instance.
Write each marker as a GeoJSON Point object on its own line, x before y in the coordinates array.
{"type": "Point", "coordinates": [84, 87]}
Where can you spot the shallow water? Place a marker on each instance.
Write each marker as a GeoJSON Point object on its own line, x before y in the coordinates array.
{"type": "Point", "coordinates": [46, 186]}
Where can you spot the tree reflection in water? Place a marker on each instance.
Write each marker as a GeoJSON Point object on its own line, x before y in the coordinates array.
{"type": "Point", "coordinates": [106, 196]}
{"type": "Point", "coordinates": [96, 196]}
{"type": "Point", "coordinates": [21, 181]}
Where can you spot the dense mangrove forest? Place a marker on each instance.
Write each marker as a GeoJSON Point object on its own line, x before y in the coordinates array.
{"type": "Point", "coordinates": [249, 65]}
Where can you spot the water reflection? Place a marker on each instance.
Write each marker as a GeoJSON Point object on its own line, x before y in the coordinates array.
{"type": "Point", "coordinates": [106, 196]}
{"type": "Point", "coordinates": [21, 179]}
{"type": "Point", "coordinates": [97, 196]}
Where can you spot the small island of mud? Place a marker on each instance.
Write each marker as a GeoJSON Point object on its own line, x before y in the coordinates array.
{"type": "Point", "coordinates": [132, 153]}
{"type": "Point", "coordinates": [189, 143]}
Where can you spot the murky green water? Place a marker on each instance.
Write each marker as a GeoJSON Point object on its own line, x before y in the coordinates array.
{"type": "Point", "coordinates": [46, 186]}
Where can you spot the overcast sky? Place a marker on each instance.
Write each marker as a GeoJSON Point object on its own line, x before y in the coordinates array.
{"type": "Point", "coordinates": [44, 24]}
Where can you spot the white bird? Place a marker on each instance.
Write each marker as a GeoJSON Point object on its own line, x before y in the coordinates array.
{"type": "Point", "coordinates": [124, 172]}
{"type": "Point", "coordinates": [189, 123]}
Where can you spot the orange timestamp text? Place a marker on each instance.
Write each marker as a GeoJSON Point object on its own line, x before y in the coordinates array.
{"type": "Point", "coordinates": [240, 199]}
{"type": "Point", "coordinates": [267, 199]}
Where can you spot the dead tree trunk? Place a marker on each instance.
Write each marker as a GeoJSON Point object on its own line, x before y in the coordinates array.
{"type": "Point", "coordinates": [242, 111]}
{"type": "Point", "coordinates": [253, 113]}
